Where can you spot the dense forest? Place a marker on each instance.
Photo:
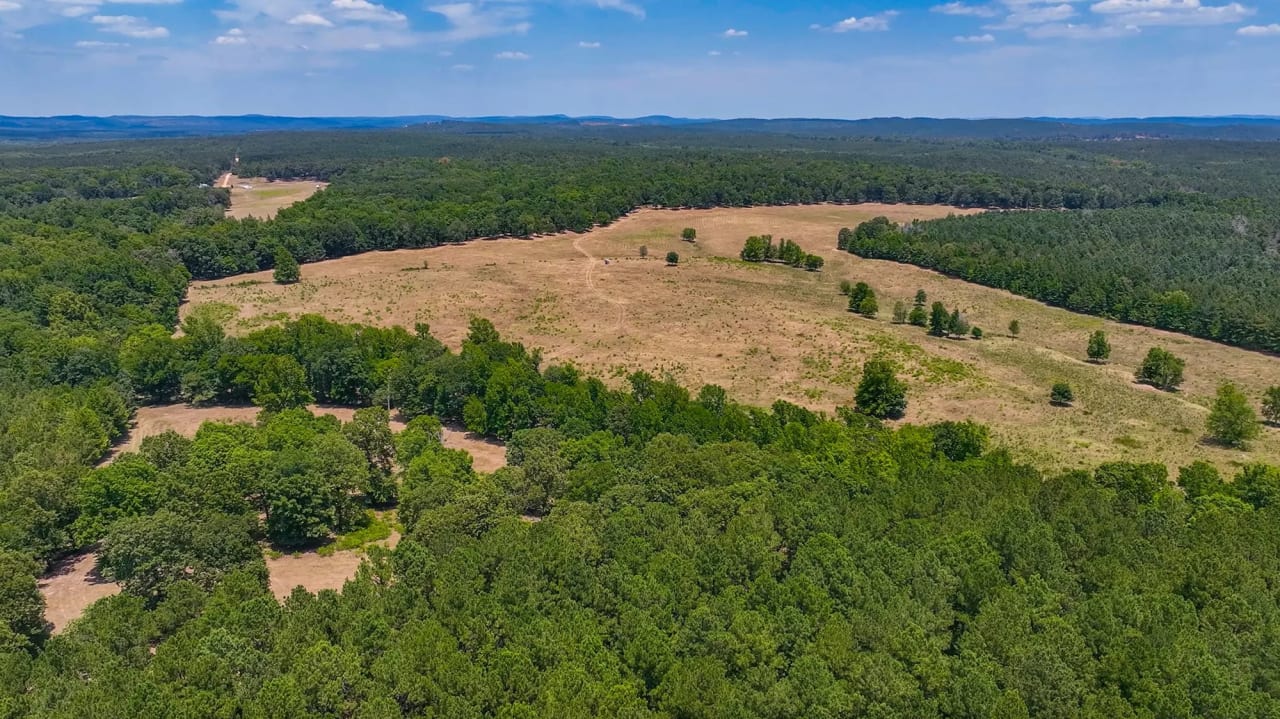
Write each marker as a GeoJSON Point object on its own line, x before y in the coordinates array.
{"type": "Point", "coordinates": [650, 550]}
{"type": "Point", "coordinates": [1206, 269]}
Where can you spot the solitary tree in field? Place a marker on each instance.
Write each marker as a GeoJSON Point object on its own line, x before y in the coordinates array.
{"type": "Point", "coordinates": [689, 234]}
{"type": "Point", "coordinates": [918, 317]}
{"type": "Point", "coordinates": [880, 393]}
{"type": "Point", "coordinates": [976, 333]}
{"type": "Point", "coordinates": [959, 325]}
{"type": "Point", "coordinates": [1099, 348]}
{"type": "Point", "coordinates": [644, 250]}
{"type": "Point", "coordinates": [1271, 405]}
{"type": "Point", "coordinates": [921, 298]}
{"type": "Point", "coordinates": [1015, 328]}
{"type": "Point", "coordinates": [899, 312]}
{"type": "Point", "coordinates": [813, 263]}
{"type": "Point", "coordinates": [1061, 395]}
{"type": "Point", "coordinates": [1161, 369]}
{"type": "Point", "coordinates": [1232, 421]}
{"type": "Point", "coordinates": [673, 258]}
{"type": "Point", "coordinates": [939, 320]}
{"type": "Point", "coordinates": [287, 270]}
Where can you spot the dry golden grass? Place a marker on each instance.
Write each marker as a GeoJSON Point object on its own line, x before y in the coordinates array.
{"type": "Point", "coordinates": [266, 197]}
{"type": "Point", "coordinates": [766, 332]}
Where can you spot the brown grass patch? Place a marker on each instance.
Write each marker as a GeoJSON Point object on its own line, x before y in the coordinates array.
{"type": "Point", "coordinates": [262, 198]}
{"type": "Point", "coordinates": [70, 587]}
{"type": "Point", "coordinates": [766, 332]}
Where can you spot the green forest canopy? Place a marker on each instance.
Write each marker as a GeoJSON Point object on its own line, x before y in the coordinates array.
{"type": "Point", "coordinates": [696, 558]}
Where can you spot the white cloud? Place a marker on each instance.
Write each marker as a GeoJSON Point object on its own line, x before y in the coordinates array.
{"type": "Point", "coordinates": [310, 18]}
{"type": "Point", "coordinates": [589, 45]}
{"type": "Point", "coordinates": [1170, 12]}
{"type": "Point", "coordinates": [959, 8]}
{"type": "Point", "coordinates": [1036, 15]}
{"type": "Point", "coordinates": [365, 11]}
{"type": "Point", "coordinates": [988, 37]}
{"type": "Point", "coordinates": [99, 44]}
{"type": "Point", "coordinates": [77, 10]}
{"type": "Point", "coordinates": [9, 6]}
{"type": "Point", "coordinates": [735, 33]}
{"type": "Point", "coordinates": [623, 5]}
{"type": "Point", "coordinates": [130, 26]}
{"type": "Point", "coordinates": [463, 68]}
{"type": "Point", "coordinates": [234, 36]}
{"type": "Point", "coordinates": [511, 55]}
{"type": "Point", "coordinates": [1259, 30]}
{"type": "Point", "coordinates": [1081, 32]}
{"type": "Point", "coordinates": [472, 21]}
{"type": "Point", "coordinates": [713, 53]}
{"type": "Point", "coordinates": [870, 23]}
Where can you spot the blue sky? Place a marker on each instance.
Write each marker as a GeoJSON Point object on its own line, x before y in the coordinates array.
{"type": "Point", "coordinates": [767, 58]}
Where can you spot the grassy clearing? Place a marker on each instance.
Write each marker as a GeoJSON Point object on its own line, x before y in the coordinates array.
{"type": "Point", "coordinates": [766, 332]}
{"type": "Point", "coordinates": [263, 199]}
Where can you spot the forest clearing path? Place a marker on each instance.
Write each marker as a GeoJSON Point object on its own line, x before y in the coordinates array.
{"type": "Point", "coordinates": [588, 276]}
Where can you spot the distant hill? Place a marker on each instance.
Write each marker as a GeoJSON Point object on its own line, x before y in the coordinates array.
{"type": "Point", "coordinates": [79, 128]}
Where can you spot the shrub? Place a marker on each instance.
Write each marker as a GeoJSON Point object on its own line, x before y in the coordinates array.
{"type": "Point", "coordinates": [1061, 395]}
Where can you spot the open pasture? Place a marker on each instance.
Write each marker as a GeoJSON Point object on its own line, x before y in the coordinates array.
{"type": "Point", "coordinates": [766, 332]}
{"type": "Point", "coordinates": [262, 199]}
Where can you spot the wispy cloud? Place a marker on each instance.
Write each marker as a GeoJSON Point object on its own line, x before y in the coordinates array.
{"type": "Point", "coordinates": [988, 37]}
{"type": "Point", "coordinates": [473, 21]}
{"type": "Point", "coordinates": [310, 18]}
{"type": "Point", "coordinates": [1259, 30]}
{"type": "Point", "coordinates": [592, 45]}
{"type": "Point", "coordinates": [960, 8]}
{"type": "Point", "coordinates": [130, 26]}
{"type": "Point", "coordinates": [735, 33]}
{"type": "Point", "coordinates": [512, 55]}
{"type": "Point", "coordinates": [365, 11]}
{"type": "Point", "coordinates": [1170, 12]}
{"type": "Point", "coordinates": [869, 23]}
{"type": "Point", "coordinates": [234, 36]}
{"type": "Point", "coordinates": [622, 5]}
{"type": "Point", "coordinates": [1081, 32]}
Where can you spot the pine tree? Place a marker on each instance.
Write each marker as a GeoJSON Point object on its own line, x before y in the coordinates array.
{"type": "Point", "coordinates": [1099, 349]}
{"type": "Point", "coordinates": [939, 320]}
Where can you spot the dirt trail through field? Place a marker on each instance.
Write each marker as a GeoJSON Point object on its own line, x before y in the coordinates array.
{"type": "Point", "coordinates": [224, 182]}
{"type": "Point", "coordinates": [588, 275]}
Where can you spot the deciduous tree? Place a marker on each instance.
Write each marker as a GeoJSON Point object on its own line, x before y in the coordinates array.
{"type": "Point", "coordinates": [1161, 369]}
{"type": "Point", "coordinates": [1231, 420]}
{"type": "Point", "coordinates": [880, 393]}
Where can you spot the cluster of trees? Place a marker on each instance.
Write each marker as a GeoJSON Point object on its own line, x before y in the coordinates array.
{"type": "Point", "coordinates": [1208, 269]}
{"type": "Point", "coordinates": [760, 248]}
{"type": "Point", "coordinates": [862, 299]}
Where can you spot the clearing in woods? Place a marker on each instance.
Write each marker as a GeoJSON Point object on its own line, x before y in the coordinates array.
{"type": "Point", "coordinates": [262, 198]}
{"type": "Point", "coordinates": [767, 331]}
{"type": "Point", "coordinates": [73, 584]}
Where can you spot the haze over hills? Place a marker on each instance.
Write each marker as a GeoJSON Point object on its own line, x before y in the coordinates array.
{"type": "Point", "coordinates": [66, 128]}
